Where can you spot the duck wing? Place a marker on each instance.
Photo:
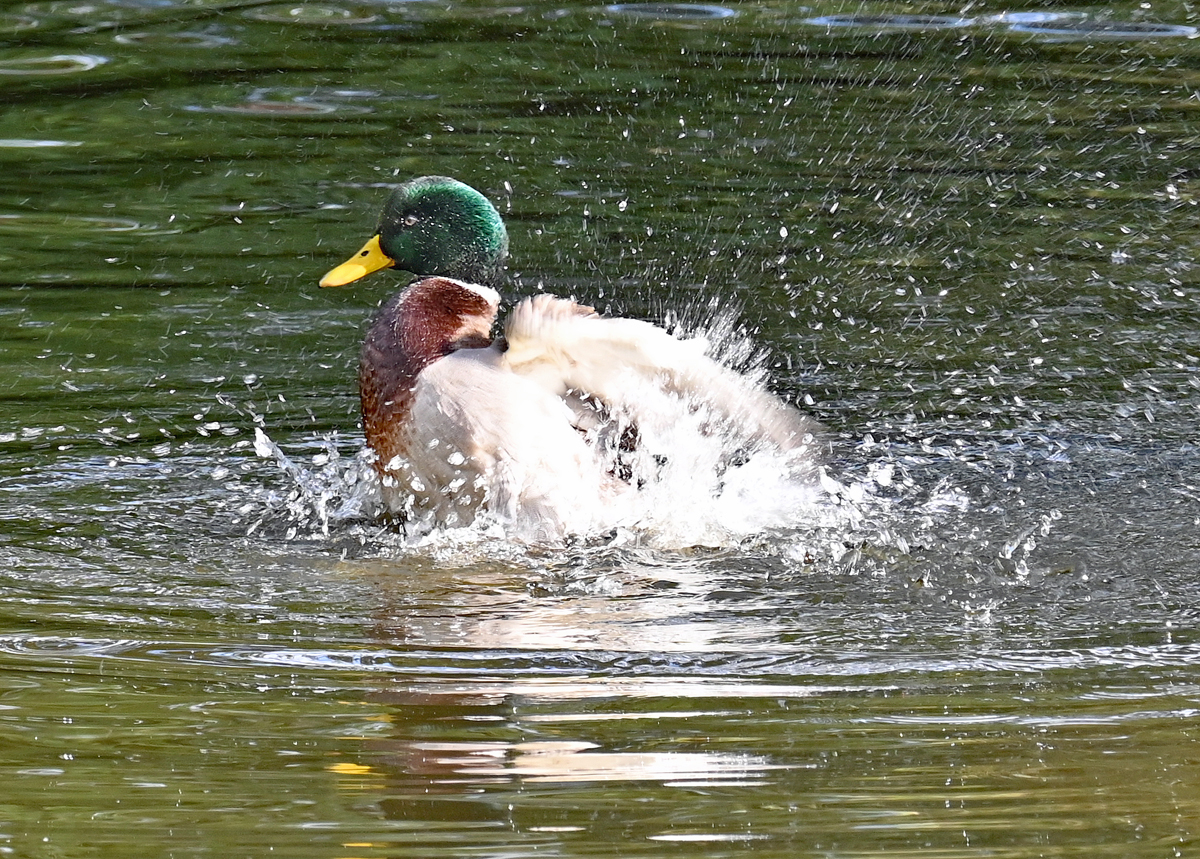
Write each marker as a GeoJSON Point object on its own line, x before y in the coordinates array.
{"type": "Point", "coordinates": [632, 367]}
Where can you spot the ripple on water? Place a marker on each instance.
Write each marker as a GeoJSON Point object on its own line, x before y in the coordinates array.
{"type": "Point", "coordinates": [12, 24]}
{"type": "Point", "coordinates": [40, 223]}
{"type": "Point", "coordinates": [1014, 18]}
{"type": "Point", "coordinates": [174, 40]}
{"type": "Point", "coordinates": [886, 23]}
{"type": "Point", "coordinates": [312, 14]}
{"type": "Point", "coordinates": [716, 675]}
{"type": "Point", "coordinates": [58, 64]}
{"type": "Point", "coordinates": [294, 103]}
{"type": "Point", "coordinates": [1078, 28]}
{"type": "Point", "coordinates": [69, 647]}
{"type": "Point", "coordinates": [30, 143]}
{"type": "Point", "coordinates": [266, 107]}
{"type": "Point", "coordinates": [672, 11]}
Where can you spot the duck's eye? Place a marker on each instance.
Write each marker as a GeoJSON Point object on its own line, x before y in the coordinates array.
{"type": "Point", "coordinates": [410, 221]}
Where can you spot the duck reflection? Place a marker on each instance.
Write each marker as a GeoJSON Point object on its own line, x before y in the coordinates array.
{"type": "Point", "coordinates": [535, 727]}
{"type": "Point", "coordinates": [617, 603]}
{"type": "Point", "coordinates": [506, 756]}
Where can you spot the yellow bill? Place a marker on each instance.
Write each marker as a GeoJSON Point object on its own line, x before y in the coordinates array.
{"type": "Point", "coordinates": [371, 258]}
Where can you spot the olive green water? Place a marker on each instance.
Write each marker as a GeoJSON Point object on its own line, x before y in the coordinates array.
{"type": "Point", "coordinates": [968, 246]}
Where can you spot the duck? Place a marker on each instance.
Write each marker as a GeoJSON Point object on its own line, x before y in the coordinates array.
{"type": "Point", "coordinates": [550, 428]}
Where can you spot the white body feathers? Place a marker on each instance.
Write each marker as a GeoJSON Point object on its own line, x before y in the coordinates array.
{"type": "Point", "coordinates": [555, 432]}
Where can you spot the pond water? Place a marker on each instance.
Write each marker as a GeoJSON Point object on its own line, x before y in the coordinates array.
{"type": "Point", "coordinates": [963, 238]}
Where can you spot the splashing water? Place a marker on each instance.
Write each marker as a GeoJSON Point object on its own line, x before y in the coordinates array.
{"type": "Point", "coordinates": [334, 493]}
{"type": "Point", "coordinates": [693, 481]}
{"type": "Point", "coordinates": [879, 511]}
{"type": "Point", "coordinates": [876, 507]}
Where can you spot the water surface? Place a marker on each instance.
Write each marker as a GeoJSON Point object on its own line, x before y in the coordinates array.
{"type": "Point", "coordinates": [964, 239]}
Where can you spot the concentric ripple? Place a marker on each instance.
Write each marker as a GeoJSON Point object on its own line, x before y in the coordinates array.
{"type": "Point", "coordinates": [31, 143]}
{"type": "Point", "coordinates": [1085, 29]}
{"type": "Point", "coordinates": [672, 11]}
{"type": "Point", "coordinates": [881, 23]}
{"type": "Point", "coordinates": [290, 102]}
{"type": "Point", "coordinates": [174, 40]}
{"type": "Point", "coordinates": [58, 64]}
{"type": "Point", "coordinates": [41, 223]}
{"type": "Point", "coordinates": [312, 14]}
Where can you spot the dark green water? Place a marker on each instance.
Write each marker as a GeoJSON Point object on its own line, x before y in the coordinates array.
{"type": "Point", "coordinates": [966, 244]}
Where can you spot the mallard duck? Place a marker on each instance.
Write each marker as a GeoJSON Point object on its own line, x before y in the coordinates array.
{"type": "Point", "coordinates": [551, 426]}
{"type": "Point", "coordinates": [433, 225]}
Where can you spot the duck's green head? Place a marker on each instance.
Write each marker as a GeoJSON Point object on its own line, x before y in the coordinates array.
{"type": "Point", "coordinates": [433, 226]}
